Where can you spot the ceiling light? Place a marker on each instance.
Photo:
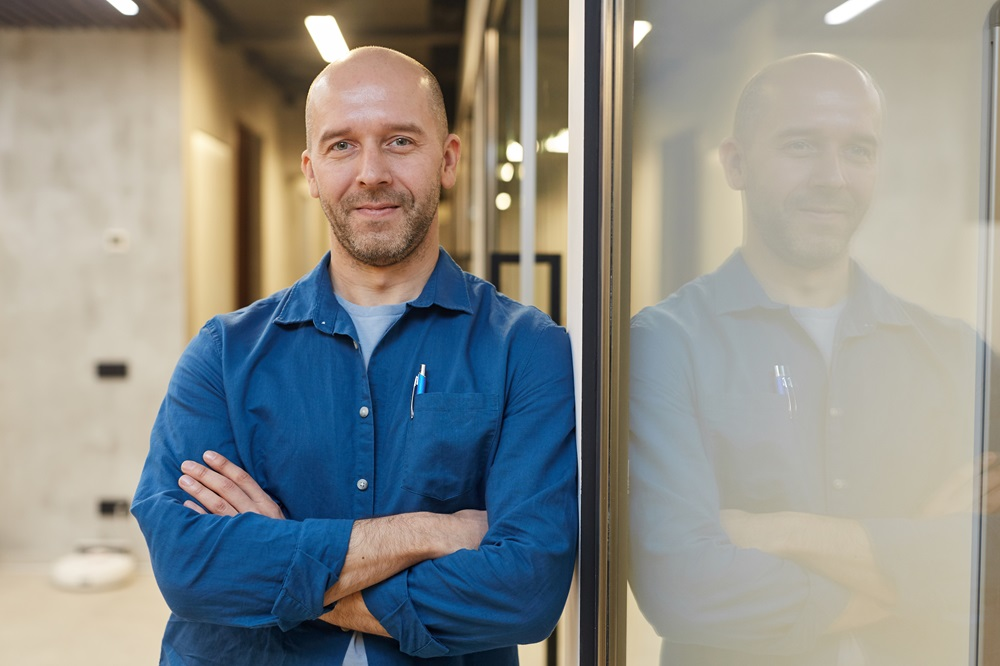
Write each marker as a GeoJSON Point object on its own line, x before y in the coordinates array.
{"type": "Point", "coordinates": [514, 152]}
{"type": "Point", "coordinates": [126, 7]}
{"type": "Point", "coordinates": [506, 172]}
{"type": "Point", "coordinates": [503, 201]}
{"type": "Point", "coordinates": [639, 30]}
{"type": "Point", "coordinates": [558, 142]}
{"type": "Point", "coordinates": [327, 36]}
{"type": "Point", "coordinates": [847, 11]}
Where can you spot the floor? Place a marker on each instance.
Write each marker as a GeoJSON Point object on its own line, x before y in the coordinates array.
{"type": "Point", "coordinates": [45, 626]}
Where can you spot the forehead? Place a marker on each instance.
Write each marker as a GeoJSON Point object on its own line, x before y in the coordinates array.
{"type": "Point", "coordinates": [820, 105]}
{"type": "Point", "coordinates": [384, 97]}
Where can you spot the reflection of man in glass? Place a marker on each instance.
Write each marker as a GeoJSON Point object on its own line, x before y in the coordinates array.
{"type": "Point", "coordinates": [800, 465]}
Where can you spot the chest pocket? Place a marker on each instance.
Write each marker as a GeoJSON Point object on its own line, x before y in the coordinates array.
{"type": "Point", "coordinates": [448, 441]}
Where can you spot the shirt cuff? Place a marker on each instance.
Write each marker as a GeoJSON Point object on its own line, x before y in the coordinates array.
{"type": "Point", "coordinates": [827, 601]}
{"type": "Point", "coordinates": [390, 604]}
{"type": "Point", "coordinates": [314, 568]}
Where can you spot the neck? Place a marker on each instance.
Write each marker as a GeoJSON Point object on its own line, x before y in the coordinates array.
{"type": "Point", "coordinates": [382, 285]}
{"type": "Point", "coordinates": [818, 287]}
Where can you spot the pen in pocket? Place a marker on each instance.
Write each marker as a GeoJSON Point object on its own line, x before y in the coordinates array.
{"type": "Point", "coordinates": [419, 385]}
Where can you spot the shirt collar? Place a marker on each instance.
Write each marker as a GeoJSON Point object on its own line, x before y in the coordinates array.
{"type": "Point", "coordinates": [312, 298]}
{"type": "Point", "coordinates": [868, 302]}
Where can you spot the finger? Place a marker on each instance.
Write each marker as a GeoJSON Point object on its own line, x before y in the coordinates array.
{"type": "Point", "coordinates": [221, 485]}
{"type": "Point", "coordinates": [212, 502]}
{"type": "Point", "coordinates": [237, 475]}
{"type": "Point", "coordinates": [256, 500]}
{"type": "Point", "coordinates": [194, 506]}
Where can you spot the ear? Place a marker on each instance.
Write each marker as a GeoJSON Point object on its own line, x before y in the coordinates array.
{"type": "Point", "coordinates": [307, 171]}
{"type": "Point", "coordinates": [449, 162]}
{"type": "Point", "coordinates": [733, 163]}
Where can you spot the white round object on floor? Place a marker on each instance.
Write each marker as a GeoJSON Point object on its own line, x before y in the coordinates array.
{"type": "Point", "coordinates": [93, 570]}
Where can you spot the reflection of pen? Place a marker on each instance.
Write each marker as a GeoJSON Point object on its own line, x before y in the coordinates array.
{"type": "Point", "coordinates": [419, 384]}
{"type": "Point", "coordinates": [783, 384]}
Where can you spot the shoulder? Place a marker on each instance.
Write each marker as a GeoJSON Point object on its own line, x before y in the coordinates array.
{"type": "Point", "coordinates": [502, 313]}
{"type": "Point", "coordinates": [684, 313]}
{"type": "Point", "coordinates": [248, 322]}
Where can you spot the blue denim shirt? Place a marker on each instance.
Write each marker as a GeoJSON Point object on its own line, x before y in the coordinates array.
{"type": "Point", "coordinates": [280, 388]}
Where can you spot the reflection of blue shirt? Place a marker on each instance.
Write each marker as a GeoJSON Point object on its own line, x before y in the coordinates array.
{"type": "Point", "coordinates": [869, 438]}
{"type": "Point", "coordinates": [281, 389]}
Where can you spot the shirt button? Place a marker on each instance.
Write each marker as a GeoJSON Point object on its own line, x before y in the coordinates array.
{"type": "Point", "coordinates": [839, 484]}
{"type": "Point", "coordinates": [836, 411]}
{"type": "Point", "coordinates": [362, 484]}
{"type": "Point", "coordinates": [363, 412]}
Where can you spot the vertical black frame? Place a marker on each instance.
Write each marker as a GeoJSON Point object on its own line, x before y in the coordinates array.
{"type": "Point", "coordinates": [607, 48]}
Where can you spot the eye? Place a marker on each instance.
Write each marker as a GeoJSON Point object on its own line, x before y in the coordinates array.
{"type": "Point", "coordinates": [797, 147]}
{"type": "Point", "coordinates": [401, 142]}
{"type": "Point", "coordinates": [860, 153]}
{"type": "Point", "coordinates": [340, 146]}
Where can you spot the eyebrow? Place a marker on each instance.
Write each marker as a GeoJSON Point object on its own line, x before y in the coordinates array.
{"type": "Point", "coordinates": [404, 128]}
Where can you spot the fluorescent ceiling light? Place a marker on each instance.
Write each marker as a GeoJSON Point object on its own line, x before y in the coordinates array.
{"type": "Point", "coordinates": [639, 30]}
{"type": "Point", "coordinates": [126, 7]}
{"type": "Point", "coordinates": [326, 35]}
{"type": "Point", "coordinates": [847, 11]}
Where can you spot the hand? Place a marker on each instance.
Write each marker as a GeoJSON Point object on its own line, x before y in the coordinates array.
{"type": "Point", "coordinates": [465, 531]}
{"type": "Point", "coordinates": [224, 489]}
{"type": "Point", "coordinates": [747, 530]}
{"type": "Point", "coordinates": [957, 493]}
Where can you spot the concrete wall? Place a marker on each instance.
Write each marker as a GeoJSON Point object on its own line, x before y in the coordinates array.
{"type": "Point", "coordinates": [117, 241]}
{"type": "Point", "coordinates": [89, 153]}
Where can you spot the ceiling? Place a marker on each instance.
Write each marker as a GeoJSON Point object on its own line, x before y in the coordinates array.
{"type": "Point", "coordinates": [272, 35]}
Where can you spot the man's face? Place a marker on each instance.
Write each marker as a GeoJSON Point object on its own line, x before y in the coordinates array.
{"type": "Point", "coordinates": [808, 169]}
{"type": "Point", "coordinates": [377, 162]}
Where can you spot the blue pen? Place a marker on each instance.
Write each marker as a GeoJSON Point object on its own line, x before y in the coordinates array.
{"type": "Point", "coordinates": [419, 384]}
{"type": "Point", "coordinates": [421, 379]}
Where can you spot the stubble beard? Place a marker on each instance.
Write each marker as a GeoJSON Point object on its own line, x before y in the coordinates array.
{"type": "Point", "coordinates": [809, 245]}
{"type": "Point", "coordinates": [390, 242]}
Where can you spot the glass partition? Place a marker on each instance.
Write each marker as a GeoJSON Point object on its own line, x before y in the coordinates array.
{"type": "Point", "coordinates": [809, 302]}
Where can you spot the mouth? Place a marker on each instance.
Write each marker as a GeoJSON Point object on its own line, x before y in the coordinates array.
{"type": "Point", "coordinates": [376, 210]}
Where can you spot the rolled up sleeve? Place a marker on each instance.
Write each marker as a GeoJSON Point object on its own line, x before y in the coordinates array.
{"type": "Point", "coordinates": [248, 570]}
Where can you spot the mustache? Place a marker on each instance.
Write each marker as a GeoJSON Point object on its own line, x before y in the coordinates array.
{"type": "Point", "coordinates": [826, 201]}
{"type": "Point", "coordinates": [381, 197]}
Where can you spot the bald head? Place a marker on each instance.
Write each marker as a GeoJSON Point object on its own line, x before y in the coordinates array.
{"type": "Point", "coordinates": [819, 74]}
{"type": "Point", "coordinates": [394, 71]}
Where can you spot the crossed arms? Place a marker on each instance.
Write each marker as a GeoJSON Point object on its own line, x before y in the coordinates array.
{"type": "Point", "coordinates": [378, 548]}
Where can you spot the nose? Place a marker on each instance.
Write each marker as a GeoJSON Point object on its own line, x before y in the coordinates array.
{"type": "Point", "coordinates": [828, 169]}
{"type": "Point", "coordinates": [373, 168]}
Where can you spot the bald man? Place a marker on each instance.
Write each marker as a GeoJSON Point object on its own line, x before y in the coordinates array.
{"type": "Point", "coordinates": [376, 465]}
{"type": "Point", "coordinates": [802, 441]}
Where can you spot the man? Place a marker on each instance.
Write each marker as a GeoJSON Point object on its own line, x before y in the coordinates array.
{"type": "Point", "coordinates": [802, 445]}
{"type": "Point", "coordinates": [389, 459]}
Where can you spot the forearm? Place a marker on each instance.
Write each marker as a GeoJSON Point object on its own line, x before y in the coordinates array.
{"type": "Point", "coordinates": [837, 548]}
{"type": "Point", "coordinates": [382, 547]}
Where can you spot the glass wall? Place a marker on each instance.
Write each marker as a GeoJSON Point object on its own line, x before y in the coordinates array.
{"type": "Point", "coordinates": [805, 469]}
